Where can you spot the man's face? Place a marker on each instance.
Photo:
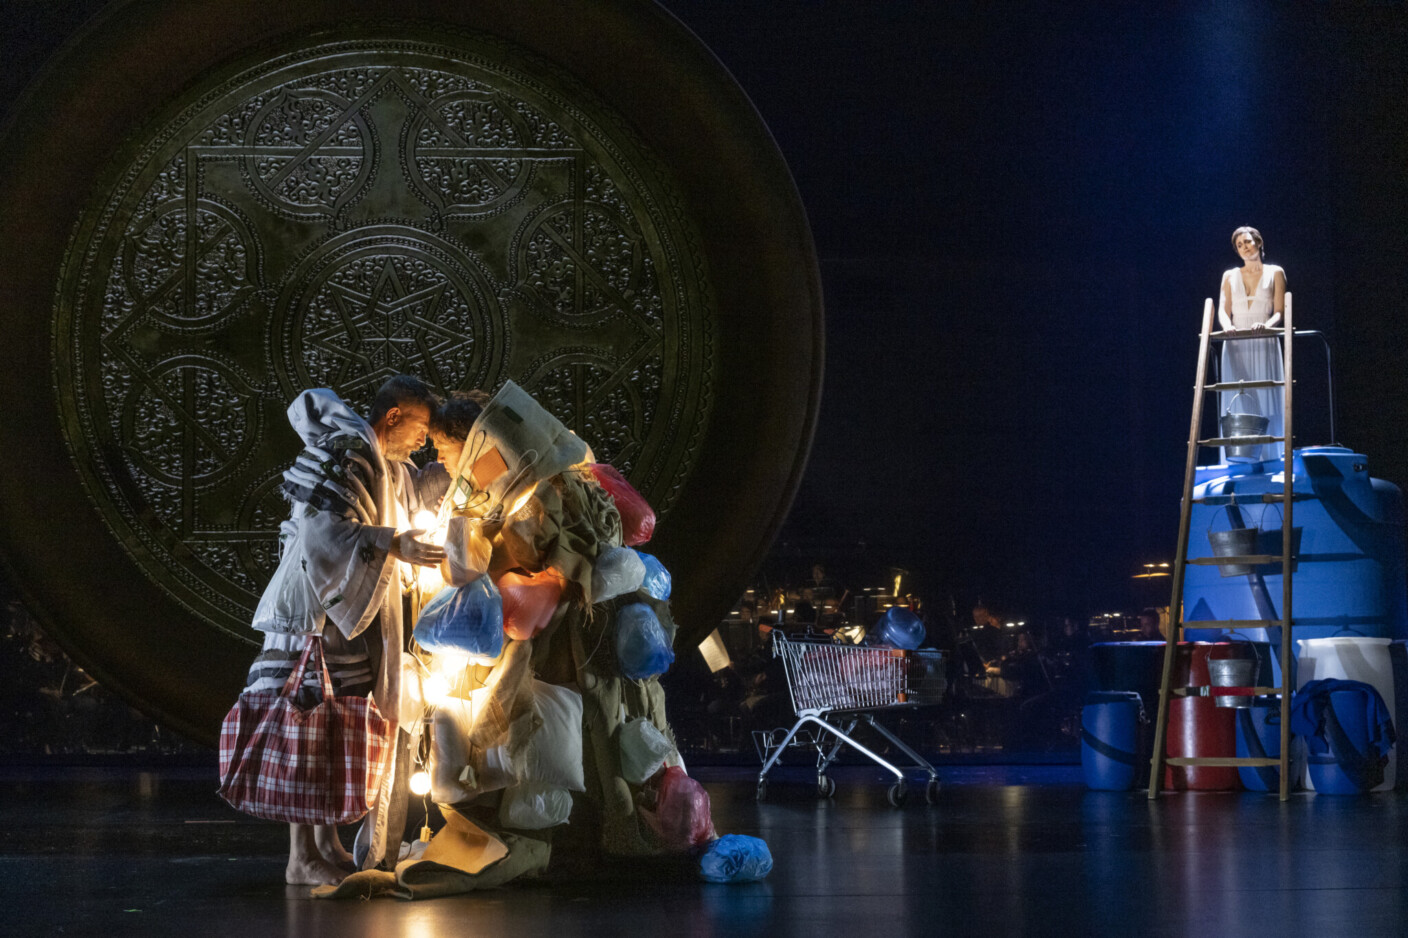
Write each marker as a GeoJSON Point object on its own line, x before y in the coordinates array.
{"type": "Point", "coordinates": [402, 431]}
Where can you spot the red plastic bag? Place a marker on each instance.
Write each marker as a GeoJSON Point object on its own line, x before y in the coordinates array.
{"type": "Point", "coordinates": [529, 601]}
{"type": "Point", "coordinates": [681, 816]}
{"type": "Point", "coordinates": [637, 517]}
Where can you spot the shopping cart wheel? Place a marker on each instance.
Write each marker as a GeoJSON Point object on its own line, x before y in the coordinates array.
{"type": "Point", "coordinates": [762, 792]}
{"type": "Point", "coordinates": [897, 794]}
{"type": "Point", "coordinates": [825, 786]}
{"type": "Point", "coordinates": [931, 792]}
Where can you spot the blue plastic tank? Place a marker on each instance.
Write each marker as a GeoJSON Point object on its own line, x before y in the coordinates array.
{"type": "Point", "coordinates": [1348, 540]}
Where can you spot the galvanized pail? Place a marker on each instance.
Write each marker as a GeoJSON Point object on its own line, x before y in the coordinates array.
{"type": "Point", "coordinates": [1234, 542]}
{"type": "Point", "coordinates": [1234, 425]}
{"type": "Point", "coordinates": [1232, 672]}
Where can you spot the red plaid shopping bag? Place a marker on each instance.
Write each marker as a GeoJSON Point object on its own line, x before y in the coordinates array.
{"type": "Point", "coordinates": [320, 765]}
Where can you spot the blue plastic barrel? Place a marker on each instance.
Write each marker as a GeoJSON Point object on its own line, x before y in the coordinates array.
{"type": "Point", "coordinates": [1348, 541]}
{"type": "Point", "coordinates": [1259, 736]}
{"type": "Point", "coordinates": [1259, 725]}
{"type": "Point", "coordinates": [1109, 740]}
{"type": "Point", "coordinates": [1327, 775]}
{"type": "Point", "coordinates": [1398, 655]}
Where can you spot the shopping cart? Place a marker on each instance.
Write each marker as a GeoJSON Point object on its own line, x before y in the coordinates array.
{"type": "Point", "coordinates": [834, 688]}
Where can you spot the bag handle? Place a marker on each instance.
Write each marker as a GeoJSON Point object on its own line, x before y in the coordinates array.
{"type": "Point", "coordinates": [295, 680]}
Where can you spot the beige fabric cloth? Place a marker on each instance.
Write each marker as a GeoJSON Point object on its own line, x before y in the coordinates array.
{"type": "Point", "coordinates": [460, 858]}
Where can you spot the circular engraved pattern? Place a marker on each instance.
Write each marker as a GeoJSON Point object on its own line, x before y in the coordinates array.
{"type": "Point", "coordinates": [384, 301]}
{"type": "Point", "coordinates": [436, 205]}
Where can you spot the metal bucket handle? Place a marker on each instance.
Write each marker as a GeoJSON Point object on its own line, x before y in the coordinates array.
{"type": "Point", "coordinates": [1228, 508]}
{"type": "Point", "coordinates": [1229, 413]}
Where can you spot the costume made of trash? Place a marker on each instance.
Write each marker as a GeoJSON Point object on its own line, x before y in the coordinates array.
{"type": "Point", "coordinates": [530, 690]}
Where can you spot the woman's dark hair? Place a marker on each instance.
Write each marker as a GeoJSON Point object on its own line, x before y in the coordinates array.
{"type": "Point", "coordinates": [1255, 236]}
{"type": "Point", "coordinates": [457, 413]}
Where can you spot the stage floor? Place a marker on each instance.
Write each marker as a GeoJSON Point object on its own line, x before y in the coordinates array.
{"type": "Point", "coordinates": [1007, 851]}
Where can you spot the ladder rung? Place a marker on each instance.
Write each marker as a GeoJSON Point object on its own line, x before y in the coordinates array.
{"type": "Point", "coordinates": [1241, 440]}
{"type": "Point", "coordinates": [1246, 560]}
{"type": "Point", "coordinates": [1243, 385]}
{"type": "Point", "coordinates": [1234, 624]}
{"type": "Point", "coordinates": [1225, 761]}
{"type": "Point", "coordinates": [1207, 690]}
{"type": "Point", "coordinates": [1246, 334]}
{"type": "Point", "coordinates": [1266, 498]}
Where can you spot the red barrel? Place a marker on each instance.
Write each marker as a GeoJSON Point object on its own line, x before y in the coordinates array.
{"type": "Point", "coordinates": [1197, 726]}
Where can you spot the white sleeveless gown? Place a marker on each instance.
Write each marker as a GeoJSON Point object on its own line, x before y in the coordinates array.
{"type": "Point", "coordinates": [1254, 359]}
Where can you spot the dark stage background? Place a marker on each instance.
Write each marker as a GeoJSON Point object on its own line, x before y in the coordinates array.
{"type": "Point", "coordinates": [1019, 210]}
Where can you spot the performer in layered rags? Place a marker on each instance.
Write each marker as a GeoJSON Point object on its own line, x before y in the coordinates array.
{"type": "Point", "coordinates": [1253, 297]}
{"type": "Point", "coordinates": [352, 492]}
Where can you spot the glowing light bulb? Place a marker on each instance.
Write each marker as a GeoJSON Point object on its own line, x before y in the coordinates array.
{"type": "Point", "coordinates": [420, 783]}
{"type": "Point", "coordinates": [425, 520]}
{"type": "Point", "coordinates": [520, 502]}
{"type": "Point", "coordinates": [435, 689]}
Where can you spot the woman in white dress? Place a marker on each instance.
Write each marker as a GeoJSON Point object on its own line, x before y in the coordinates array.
{"type": "Point", "coordinates": [1253, 297]}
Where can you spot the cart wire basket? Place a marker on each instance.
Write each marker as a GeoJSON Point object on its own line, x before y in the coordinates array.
{"type": "Point", "coordinates": [834, 688]}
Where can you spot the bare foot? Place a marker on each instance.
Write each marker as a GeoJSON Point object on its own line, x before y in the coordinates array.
{"type": "Point", "coordinates": [312, 872]}
{"type": "Point", "coordinates": [330, 846]}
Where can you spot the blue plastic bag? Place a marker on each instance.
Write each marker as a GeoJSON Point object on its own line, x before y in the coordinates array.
{"type": "Point", "coordinates": [899, 628]}
{"type": "Point", "coordinates": [466, 620]}
{"type": "Point", "coordinates": [657, 579]}
{"type": "Point", "coordinates": [641, 647]}
{"type": "Point", "coordinates": [735, 858]}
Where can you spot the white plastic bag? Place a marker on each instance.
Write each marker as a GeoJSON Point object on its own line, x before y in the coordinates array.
{"type": "Point", "coordinates": [467, 551]}
{"type": "Point", "coordinates": [533, 807]}
{"type": "Point", "coordinates": [617, 571]}
{"type": "Point", "coordinates": [554, 755]}
{"type": "Point", "coordinates": [289, 603]}
{"type": "Point", "coordinates": [644, 750]}
{"type": "Point", "coordinates": [450, 783]}
{"type": "Point", "coordinates": [552, 758]}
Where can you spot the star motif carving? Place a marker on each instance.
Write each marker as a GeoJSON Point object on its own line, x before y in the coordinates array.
{"type": "Point", "coordinates": [391, 330]}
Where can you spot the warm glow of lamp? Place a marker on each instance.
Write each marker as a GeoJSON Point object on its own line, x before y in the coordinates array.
{"type": "Point", "coordinates": [435, 689]}
{"type": "Point", "coordinates": [520, 502]}
{"type": "Point", "coordinates": [429, 522]}
{"type": "Point", "coordinates": [420, 783]}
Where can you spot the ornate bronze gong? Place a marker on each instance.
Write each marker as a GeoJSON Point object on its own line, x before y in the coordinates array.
{"type": "Point", "coordinates": [293, 198]}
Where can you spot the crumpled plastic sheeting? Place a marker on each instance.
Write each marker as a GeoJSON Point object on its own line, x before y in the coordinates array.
{"type": "Point", "coordinates": [681, 817]}
{"type": "Point", "coordinates": [642, 650]}
{"type": "Point", "coordinates": [637, 517]}
{"type": "Point", "coordinates": [618, 570]}
{"type": "Point", "coordinates": [735, 858]}
{"type": "Point", "coordinates": [466, 620]}
{"type": "Point", "coordinates": [529, 601]}
{"type": "Point", "coordinates": [658, 582]}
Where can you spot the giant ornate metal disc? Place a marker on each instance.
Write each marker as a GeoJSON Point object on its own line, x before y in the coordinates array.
{"type": "Point", "coordinates": [300, 198]}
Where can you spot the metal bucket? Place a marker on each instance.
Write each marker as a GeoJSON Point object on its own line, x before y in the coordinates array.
{"type": "Point", "coordinates": [1234, 542]}
{"type": "Point", "coordinates": [1238, 425]}
{"type": "Point", "coordinates": [1232, 672]}
{"type": "Point", "coordinates": [1234, 425]}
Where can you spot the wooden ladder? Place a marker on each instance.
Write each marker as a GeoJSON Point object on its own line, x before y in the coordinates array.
{"type": "Point", "coordinates": [1286, 500]}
